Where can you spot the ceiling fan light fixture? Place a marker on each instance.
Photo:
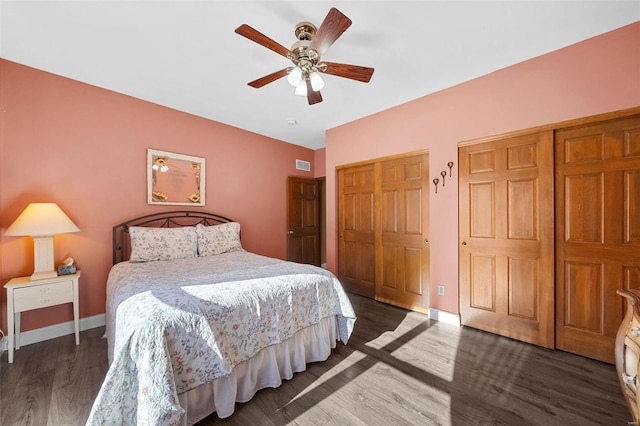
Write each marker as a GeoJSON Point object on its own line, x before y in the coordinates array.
{"type": "Point", "coordinates": [317, 83]}
{"type": "Point", "coordinates": [301, 88]}
{"type": "Point", "coordinates": [295, 76]}
{"type": "Point", "coordinates": [305, 55]}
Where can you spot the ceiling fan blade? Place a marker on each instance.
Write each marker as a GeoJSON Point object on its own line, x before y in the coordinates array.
{"type": "Point", "coordinates": [334, 24]}
{"type": "Point", "coordinates": [354, 72]}
{"type": "Point", "coordinates": [263, 81]}
{"type": "Point", "coordinates": [313, 97]}
{"type": "Point", "coordinates": [255, 35]}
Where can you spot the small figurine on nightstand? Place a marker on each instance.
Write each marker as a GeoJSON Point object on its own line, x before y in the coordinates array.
{"type": "Point", "coordinates": [68, 267]}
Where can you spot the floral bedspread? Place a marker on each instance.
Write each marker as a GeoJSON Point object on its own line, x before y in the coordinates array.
{"type": "Point", "coordinates": [174, 325]}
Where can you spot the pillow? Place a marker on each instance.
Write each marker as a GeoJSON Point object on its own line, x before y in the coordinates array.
{"type": "Point", "coordinates": [148, 244]}
{"type": "Point", "coordinates": [218, 239]}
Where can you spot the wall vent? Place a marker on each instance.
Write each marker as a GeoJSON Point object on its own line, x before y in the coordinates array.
{"type": "Point", "coordinates": [303, 165]}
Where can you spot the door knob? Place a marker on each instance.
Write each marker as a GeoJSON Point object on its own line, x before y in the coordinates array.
{"type": "Point", "coordinates": [290, 232]}
{"type": "Point", "coordinates": [464, 243]}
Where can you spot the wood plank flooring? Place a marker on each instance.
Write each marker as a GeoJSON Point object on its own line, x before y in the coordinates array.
{"type": "Point", "coordinates": [399, 368]}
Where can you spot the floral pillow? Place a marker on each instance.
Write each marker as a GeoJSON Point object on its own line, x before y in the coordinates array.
{"type": "Point", "coordinates": [218, 239]}
{"type": "Point", "coordinates": [148, 244]}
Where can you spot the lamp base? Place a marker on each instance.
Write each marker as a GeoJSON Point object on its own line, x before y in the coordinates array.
{"type": "Point", "coordinates": [43, 275]}
{"type": "Point", "coordinates": [43, 258]}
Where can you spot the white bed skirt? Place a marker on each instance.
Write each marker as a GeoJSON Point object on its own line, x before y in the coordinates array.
{"type": "Point", "coordinates": [265, 370]}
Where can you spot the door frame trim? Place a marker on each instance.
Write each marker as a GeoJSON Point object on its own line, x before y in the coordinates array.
{"type": "Point", "coordinates": [387, 158]}
{"type": "Point", "coordinates": [556, 126]}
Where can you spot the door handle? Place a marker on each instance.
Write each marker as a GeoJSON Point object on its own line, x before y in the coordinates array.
{"type": "Point", "coordinates": [290, 232]}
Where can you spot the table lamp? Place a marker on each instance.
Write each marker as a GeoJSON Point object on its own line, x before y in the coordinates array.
{"type": "Point", "coordinates": [42, 221]}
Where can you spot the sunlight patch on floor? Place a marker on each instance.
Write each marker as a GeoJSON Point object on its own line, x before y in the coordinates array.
{"type": "Point", "coordinates": [432, 348]}
{"type": "Point", "coordinates": [340, 369]}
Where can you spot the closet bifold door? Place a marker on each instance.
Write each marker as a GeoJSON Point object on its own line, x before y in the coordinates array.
{"type": "Point", "coordinates": [597, 232]}
{"type": "Point", "coordinates": [383, 230]}
{"type": "Point", "coordinates": [356, 229]}
{"type": "Point", "coordinates": [506, 231]}
{"type": "Point", "coordinates": [402, 244]}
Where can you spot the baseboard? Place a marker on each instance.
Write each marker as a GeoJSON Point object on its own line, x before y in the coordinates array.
{"type": "Point", "coordinates": [445, 317]}
{"type": "Point", "coordinates": [53, 331]}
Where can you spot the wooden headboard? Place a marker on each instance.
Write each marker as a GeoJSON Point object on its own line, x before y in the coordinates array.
{"type": "Point", "coordinates": [172, 219]}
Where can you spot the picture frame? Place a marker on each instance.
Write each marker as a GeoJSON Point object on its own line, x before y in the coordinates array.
{"type": "Point", "coordinates": [175, 179]}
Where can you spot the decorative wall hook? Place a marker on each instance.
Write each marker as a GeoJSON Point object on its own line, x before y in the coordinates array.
{"type": "Point", "coordinates": [444, 175]}
{"type": "Point", "coordinates": [450, 164]}
{"type": "Point", "coordinates": [435, 182]}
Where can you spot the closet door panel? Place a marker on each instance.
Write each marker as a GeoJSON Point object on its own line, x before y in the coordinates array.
{"type": "Point", "coordinates": [584, 290]}
{"type": "Point", "coordinates": [383, 214]}
{"type": "Point", "coordinates": [403, 274]}
{"type": "Point", "coordinates": [356, 229]}
{"type": "Point", "coordinates": [522, 209]}
{"type": "Point", "coordinates": [483, 282]}
{"type": "Point", "coordinates": [506, 237]}
{"type": "Point", "coordinates": [598, 232]}
{"type": "Point", "coordinates": [584, 208]}
{"type": "Point", "coordinates": [483, 206]}
{"type": "Point", "coordinates": [392, 277]}
{"type": "Point", "coordinates": [632, 207]}
{"type": "Point", "coordinates": [523, 288]}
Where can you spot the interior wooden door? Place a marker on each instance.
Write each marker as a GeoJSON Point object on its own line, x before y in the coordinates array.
{"type": "Point", "coordinates": [303, 242]}
{"type": "Point", "coordinates": [356, 229]}
{"type": "Point", "coordinates": [506, 231]}
{"type": "Point", "coordinates": [402, 275]}
{"type": "Point", "coordinates": [598, 232]}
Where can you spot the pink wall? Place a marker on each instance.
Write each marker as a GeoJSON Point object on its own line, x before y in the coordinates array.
{"type": "Point", "coordinates": [319, 157]}
{"type": "Point", "coordinates": [598, 75]}
{"type": "Point", "coordinates": [85, 148]}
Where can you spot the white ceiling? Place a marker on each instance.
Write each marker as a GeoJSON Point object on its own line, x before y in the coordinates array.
{"type": "Point", "coordinates": [185, 54]}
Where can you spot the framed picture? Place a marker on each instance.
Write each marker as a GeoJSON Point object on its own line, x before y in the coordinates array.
{"type": "Point", "coordinates": [175, 179]}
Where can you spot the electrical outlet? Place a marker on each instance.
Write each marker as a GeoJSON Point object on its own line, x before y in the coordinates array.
{"type": "Point", "coordinates": [440, 290]}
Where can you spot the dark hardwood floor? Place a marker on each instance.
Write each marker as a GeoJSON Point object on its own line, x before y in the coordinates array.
{"type": "Point", "coordinates": [398, 368]}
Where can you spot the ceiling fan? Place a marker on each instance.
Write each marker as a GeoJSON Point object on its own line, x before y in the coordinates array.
{"type": "Point", "coordinates": [305, 54]}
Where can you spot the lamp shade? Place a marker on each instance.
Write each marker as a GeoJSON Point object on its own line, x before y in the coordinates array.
{"type": "Point", "coordinates": [301, 89]}
{"type": "Point", "coordinates": [40, 220]}
{"type": "Point", "coordinates": [295, 76]}
{"type": "Point", "coordinates": [317, 83]}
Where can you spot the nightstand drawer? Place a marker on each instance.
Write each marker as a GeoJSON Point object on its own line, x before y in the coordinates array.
{"type": "Point", "coordinates": [41, 296]}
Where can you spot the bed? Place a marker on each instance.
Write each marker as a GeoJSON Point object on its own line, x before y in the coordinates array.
{"type": "Point", "coordinates": [195, 323]}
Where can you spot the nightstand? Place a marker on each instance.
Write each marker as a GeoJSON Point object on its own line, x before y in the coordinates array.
{"type": "Point", "coordinates": [23, 294]}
